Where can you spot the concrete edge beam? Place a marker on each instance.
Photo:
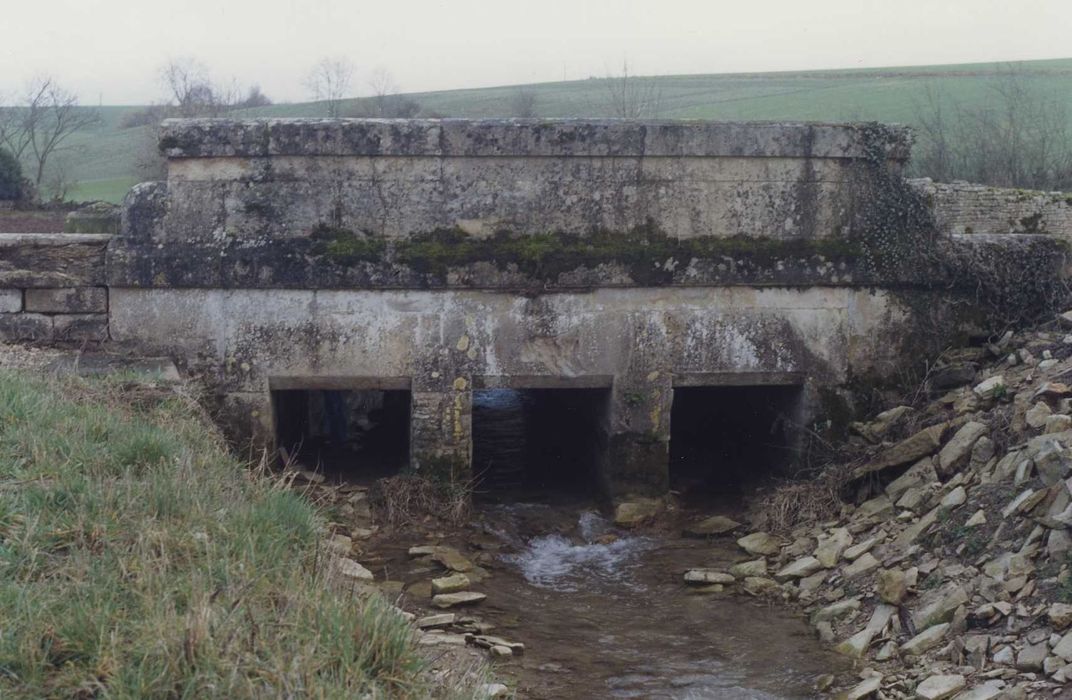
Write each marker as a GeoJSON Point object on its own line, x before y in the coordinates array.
{"type": "Point", "coordinates": [340, 383]}
{"type": "Point", "coordinates": [582, 138]}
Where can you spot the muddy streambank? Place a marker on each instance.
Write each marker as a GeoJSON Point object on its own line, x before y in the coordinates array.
{"type": "Point", "coordinates": [601, 611]}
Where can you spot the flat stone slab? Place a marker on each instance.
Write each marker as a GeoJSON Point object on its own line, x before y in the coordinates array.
{"type": "Point", "coordinates": [805, 566]}
{"type": "Point", "coordinates": [708, 576]}
{"type": "Point", "coordinates": [445, 639]}
{"type": "Point", "coordinates": [450, 584]}
{"type": "Point", "coordinates": [450, 600]}
{"type": "Point", "coordinates": [928, 638]}
{"type": "Point", "coordinates": [637, 511]}
{"type": "Point", "coordinates": [940, 687]}
{"type": "Point", "coordinates": [715, 525]}
{"type": "Point", "coordinates": [353, 570]}
{"type": "Point", "coordinates": [760, 543]}
{"type": "Point", "coordinates": [440, 620]}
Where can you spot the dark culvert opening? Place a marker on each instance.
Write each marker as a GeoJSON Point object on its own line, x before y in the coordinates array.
{"type": "Point", "coordinates": [344, 434]}
{"type": "Point", "coordinates": [725, 438]}
{"type": "Point", "coordinates": [539, 443]}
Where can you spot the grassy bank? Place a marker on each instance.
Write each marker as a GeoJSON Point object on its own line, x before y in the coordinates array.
{"type": "Point", "coordinates": [138, 559]}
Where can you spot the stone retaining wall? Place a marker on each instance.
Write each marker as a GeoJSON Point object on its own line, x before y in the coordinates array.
{"type": "Point", "coordinates": [53, 288]}
{"type": "Point", "coordinates": [961, 207]}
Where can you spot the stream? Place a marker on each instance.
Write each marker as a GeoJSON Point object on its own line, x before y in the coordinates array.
{"type": "Point", "coordinates": [602, 612]}
{"type": "Point", "coordinates": [605, 614]}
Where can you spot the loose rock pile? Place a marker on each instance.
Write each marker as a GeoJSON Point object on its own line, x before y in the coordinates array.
{"type": "Point", "coordinates": [951, 577]}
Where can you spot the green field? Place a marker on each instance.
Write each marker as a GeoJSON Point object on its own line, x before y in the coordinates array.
{"type": "Point", "coordinates": [104, 165]}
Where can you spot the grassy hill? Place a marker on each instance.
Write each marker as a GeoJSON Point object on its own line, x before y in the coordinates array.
{"type": "Point", "coordinates": [104, 166]}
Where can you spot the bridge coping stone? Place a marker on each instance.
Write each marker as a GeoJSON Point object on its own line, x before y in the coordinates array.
{"type": "Point", "coordinates": [224, 138]}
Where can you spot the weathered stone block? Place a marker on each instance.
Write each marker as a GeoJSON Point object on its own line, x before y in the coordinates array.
{"type": "Point", "coordinates": [68, 300]}
{"type": "Point", "coordinates": [441, 432]}
{"type": "Point", "coordinates": [10, 301]}
{"type": "Point", "coordinates": [25, 327]}
{"type": "Point", "coordinates": [98, 217]}
{"type": "Point", "coordinates": [33, 260]}
{"type": "Point", "coordinates": [80, 327]}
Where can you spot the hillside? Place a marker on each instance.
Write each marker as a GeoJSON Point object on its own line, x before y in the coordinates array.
{"type": "Point", "coordinates": [104, 166]}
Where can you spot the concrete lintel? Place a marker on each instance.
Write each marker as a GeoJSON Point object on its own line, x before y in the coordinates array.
{"type": "Point", "coordinates": [543, 382]}
{"type": "Point", "coordinates": [740, 379]}
{"type": "Point", "coordinates": [341, 383]}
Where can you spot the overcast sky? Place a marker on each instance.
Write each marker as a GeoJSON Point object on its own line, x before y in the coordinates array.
{"type": "Point", "coordinates": [111, 50]}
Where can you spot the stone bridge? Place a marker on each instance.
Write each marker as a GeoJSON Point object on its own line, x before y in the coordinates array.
{"type": "Point", "coordinates": [445, 257]}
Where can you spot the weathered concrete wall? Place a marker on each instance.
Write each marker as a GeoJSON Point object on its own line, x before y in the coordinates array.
{"type": "Point", "coordinates": [441, 344]}
{"type": "Point", "coordinates": [52, 287]}
{"type": "Point", "coordinates": [388, 203]}
{"type": "Point", "coordinates": [965, 208]}
{"type": "Point", "coordinates": [391, 178]}
{"type": "Point", "coordinates": [449, 254]}
{"type": "Point", "coordinates": [439, 256]}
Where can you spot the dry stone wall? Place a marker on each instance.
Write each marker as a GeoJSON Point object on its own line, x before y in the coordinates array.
{"type": "Point", "coordinates": [52, 288]}
{"type": "Point", "coordinates": [965, 208]}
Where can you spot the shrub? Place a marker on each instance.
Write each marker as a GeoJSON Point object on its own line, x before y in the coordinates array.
{"type": "Point", "coordinates": [10, 176]}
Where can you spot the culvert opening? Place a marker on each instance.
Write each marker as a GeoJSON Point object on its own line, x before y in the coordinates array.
{"type": "Point", "coordinates": [538, 443]}
{"type": "Point", "coordinates": [345, 434]}
{"type": "Point", "coordinates": [724, 439]}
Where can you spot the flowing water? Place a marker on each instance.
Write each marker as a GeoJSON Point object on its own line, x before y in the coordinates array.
{"type": "Point", "coordinates": [604, 614]}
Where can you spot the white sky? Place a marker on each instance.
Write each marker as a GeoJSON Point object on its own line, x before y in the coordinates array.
{"type": "Point", "coordinates": [111, 50]}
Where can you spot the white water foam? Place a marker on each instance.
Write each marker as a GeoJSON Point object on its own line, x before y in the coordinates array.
{"type": "Point", "coordinates": [562, 564]}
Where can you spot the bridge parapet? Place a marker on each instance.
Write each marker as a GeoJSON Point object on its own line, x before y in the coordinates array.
{"type": "Point", "coordinates": [548, 204]}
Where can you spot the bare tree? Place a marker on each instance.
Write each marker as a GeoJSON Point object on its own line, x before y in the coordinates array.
{"type": "Point", "coordinates": [630, 97]}
{"type": "Point", "coordinates": [58, 184]}
{"type": "Point", "coordinates": [383, 88]}
{"type": "Point", "coordinates": [39, 126]}
{"type": "Point", "coordinates": [386, 100]}
{"type": "Point", "coordinates": [329, 82]}
{"type": "Point", "coordinates": [191, 92]}
{"type": "Point", "coordinates": [523, 103]}
{"type": "Point", "coordinates": [1019, 136]}
{"type": "Point", "coordinates": [935, 156]}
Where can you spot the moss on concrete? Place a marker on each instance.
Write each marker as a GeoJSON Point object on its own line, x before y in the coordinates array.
{"type": "Point", "coordinates": [346, 247]}
{"type": "Point", "coordinates": [650, 256]}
